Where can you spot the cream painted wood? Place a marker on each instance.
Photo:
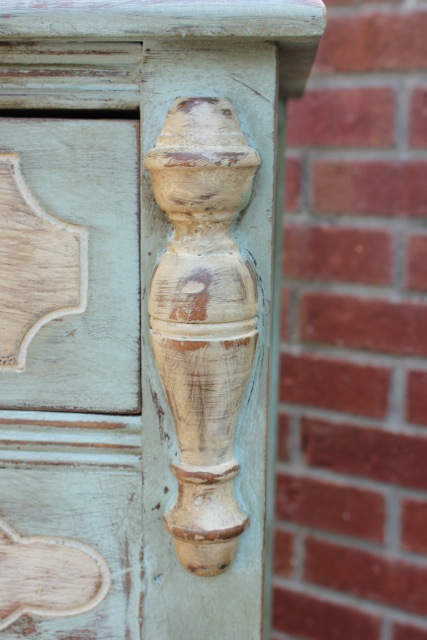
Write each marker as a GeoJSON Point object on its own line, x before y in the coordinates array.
{"type": "Point", "coordinates": [85, 173]}
{"type": "Point", "coordinates": [48, 577]}
{"type": "Point", "coordinates": [43, 266]}
{"type": "Point", "coordinates": [203, 309]}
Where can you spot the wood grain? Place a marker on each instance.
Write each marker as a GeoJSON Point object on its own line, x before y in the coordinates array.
{"type": "Point", "coordinates": [203, 314]}
{"type": "Point", "coordinates": [82, 514]}
{"type": "Point", "coordinates": [86, 173]}
{"type": "Point", "coordinates": [48, 443]}
{"type": "Point", "coordinates": [48, 577]}
{"type": "Point", "coordinates": [43, 264]}
{"type": "Point", "coordinates": [77, 75]}
{"type": "Point", "coordinates": [230, 604]}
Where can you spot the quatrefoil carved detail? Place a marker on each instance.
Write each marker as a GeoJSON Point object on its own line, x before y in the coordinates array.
{"type": "Point", "coordinates": [43, 266]}
{"type": "Point", "coordinates": [48, 577]}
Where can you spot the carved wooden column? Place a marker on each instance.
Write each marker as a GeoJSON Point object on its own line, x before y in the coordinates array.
{"type": "Point", "coordinates": [203, 316]}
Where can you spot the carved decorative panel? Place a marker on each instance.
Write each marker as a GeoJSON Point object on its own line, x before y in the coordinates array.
{"type": "Point", "coordinates": [48, 577]}
{"type": "Point", "coordinates": [43, 266]}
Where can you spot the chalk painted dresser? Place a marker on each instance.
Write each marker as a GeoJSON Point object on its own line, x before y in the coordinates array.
{"type": "Point", "coordinates": [137, 163]}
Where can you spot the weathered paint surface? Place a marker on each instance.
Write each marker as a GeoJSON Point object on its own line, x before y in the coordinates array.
{"type": "Point", "coordinates": [78, 475]}
{"type": "Point", "coordinates": [48, 577]}
{"type": "Point", "coordinates": [76, 75]}
{"type": "Point", "coordinates": [91, 520]}
{"type": "Point", "coordinates": [85, 173]}
{"type": "Point", "coordinates": [230, 604]}
{"type": "Point", "coordinates": [43, 265]}
{"type": "Point", "coordinates": [26, 441]}
{"type": "Point", "coordinates": [296, 25]}
{"type": "Point", "coordinates": [203, 313]}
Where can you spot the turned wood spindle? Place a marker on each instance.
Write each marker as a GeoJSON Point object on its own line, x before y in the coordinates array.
{"type": "Point", "coordinates": [203, 319]}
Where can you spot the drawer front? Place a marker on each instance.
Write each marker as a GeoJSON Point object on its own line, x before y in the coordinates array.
{"type": "Point", "coordinates": [70, 554]}
{"type": "Point", "coordinates": [69, 297]}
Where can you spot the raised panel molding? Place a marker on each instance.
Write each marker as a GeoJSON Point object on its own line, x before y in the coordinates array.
{"type": "Point", "coordinates": [43, 266]}
{"type": "Point", "coordinates": [48, 577]}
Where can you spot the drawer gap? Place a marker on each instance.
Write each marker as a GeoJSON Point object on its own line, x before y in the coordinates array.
{"type": "Point", "coordinates": [72, 114]}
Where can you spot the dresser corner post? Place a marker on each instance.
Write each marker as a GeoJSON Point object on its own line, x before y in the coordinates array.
{"type": "Point", "coordinates": [203, 308]}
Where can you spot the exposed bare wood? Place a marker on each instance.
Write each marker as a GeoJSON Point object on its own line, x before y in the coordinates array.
{"type": "Point", "coordinates": [85, 172]}
{"type": "Point", "coordinates": [48, 577]}
{"type": "Point", "coordinates": [203, 314]}
{"type": "Point", "coordinates": [81, 513]}
{"type": "Point", "coordinates": [49, 444]}
{"type": "Point", "coordinates": [293, 24]}
{"type": "Point", "coordinates": [43, 265]}
{"type": "Point", "coordinates": [53, 75]}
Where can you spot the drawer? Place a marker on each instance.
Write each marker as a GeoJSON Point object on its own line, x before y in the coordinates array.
{"type": "Point", "coordinates": [84, 585]}
{"type": "Point", "coordinates": [69, 292]}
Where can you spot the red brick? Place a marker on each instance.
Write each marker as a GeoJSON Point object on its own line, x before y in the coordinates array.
{"type": "Point", "coordinates": [322, 505]}
{"type": "Point", "coordinates": [382, 41]}
{"type": "Point", "coordinates": [342, 117]}
{"type": "Point", "coordinates": [283, 553]}
{"type": "Point", "coordinates": [414, 524]}
{"type": "Point", "coordinates": [334, 384]}
{"type": "Point", "coordinates": [313, 619]}
{"type": "Point", "coordinates": [363, 323]}
{"type": "Point", "coordinates": [355, 3]}
{"type": "Point", "coordinates": [284, 313]}
{"type": "Point", "coordinates": [368, 452]}
{"type": "Point", "coordinates": [283, 438]}
{"type": "Point", "coordinates": [370, 187]}
{"type": "Point", "coordinates": [416, 262]}
{"type": "Point", "coordinates": [292, 184]}
{"type": "Point", "coordinates": [406, 632]}
{"type": "Point", "coordinates": [416, 407]}
{"type": "Point", "coordinates": [418, 118]}
{"type": "Point", "coordinates": [367, 575]}
{"type": "Point", "coordinates": [344, 255]}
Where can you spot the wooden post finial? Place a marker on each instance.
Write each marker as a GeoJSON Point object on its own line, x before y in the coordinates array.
{"type": "Point", "coordinates": [203, 310]}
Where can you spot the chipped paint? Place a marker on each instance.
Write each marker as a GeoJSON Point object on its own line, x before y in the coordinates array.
{"type": "Point", "coordinates": [202, 281]}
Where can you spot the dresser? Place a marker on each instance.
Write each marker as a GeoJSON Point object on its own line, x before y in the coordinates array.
{"type": "Point", "coordinates": [139, 248]}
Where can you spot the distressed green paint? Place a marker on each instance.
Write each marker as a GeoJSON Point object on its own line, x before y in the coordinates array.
{"type": "Point", "coordinates": [176, 603]}
{"type": "Point", "coordinates": [294, 24]}
{"type": "Point", "coordinates": [99, 509]}
{"type": "Point", "coordinates": [75, 75]}
{"type": "Point", "coordinates": [111, 19]}
{"type": "Point", "coordinates": [274, 366]}
{"type": "Point", "coordinates": [61, 474]}
{"type": "Point", "coordinates": [84, 172]}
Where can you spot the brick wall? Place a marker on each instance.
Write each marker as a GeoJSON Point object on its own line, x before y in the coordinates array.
{"type": "Point", "coordinates": [351, 501]}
